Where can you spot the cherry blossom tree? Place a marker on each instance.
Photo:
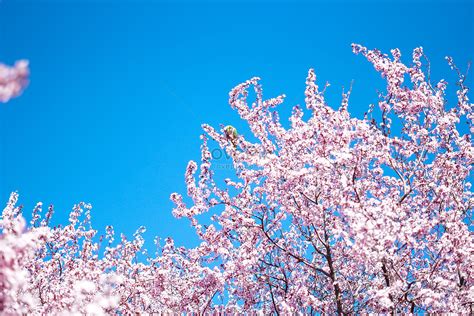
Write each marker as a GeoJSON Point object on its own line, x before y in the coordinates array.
{"type": "Point", "coordinates": [337, 214]}
{"type": "Point", "coordinates": [64, 270]}
{"type": "Point", "coordinates": [332, 214]}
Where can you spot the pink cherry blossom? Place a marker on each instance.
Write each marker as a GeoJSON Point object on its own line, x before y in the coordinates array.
{"type": "Point", "coordinates": [326, 215]}
{"type": "Point", "coordinates": [13, 80]}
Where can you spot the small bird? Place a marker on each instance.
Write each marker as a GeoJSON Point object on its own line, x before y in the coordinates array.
{"type": "Point", "coordinates": [231, 134]}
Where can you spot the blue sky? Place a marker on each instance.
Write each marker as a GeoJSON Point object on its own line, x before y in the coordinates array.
{"type": "Point", "coordinates": [119, 89]}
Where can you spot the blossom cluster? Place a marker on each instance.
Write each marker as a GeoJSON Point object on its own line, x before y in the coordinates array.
{"type": "Point", "coordinates": [13, 80]}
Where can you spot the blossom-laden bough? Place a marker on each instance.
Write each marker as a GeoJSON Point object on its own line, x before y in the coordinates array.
{"type": "Point", "coordinates": [331, 215]}
{"type": "Point", "coordinates": [13, 80]}
{"type": "Point", "coordinates": [341, 215]}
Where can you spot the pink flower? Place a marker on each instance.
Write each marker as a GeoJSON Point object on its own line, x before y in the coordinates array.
{"type": "Point", "coordinates": [13, 80]}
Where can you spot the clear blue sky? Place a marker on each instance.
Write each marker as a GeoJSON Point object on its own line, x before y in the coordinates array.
{"type": "Point", "coordinates": [119, 89]}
